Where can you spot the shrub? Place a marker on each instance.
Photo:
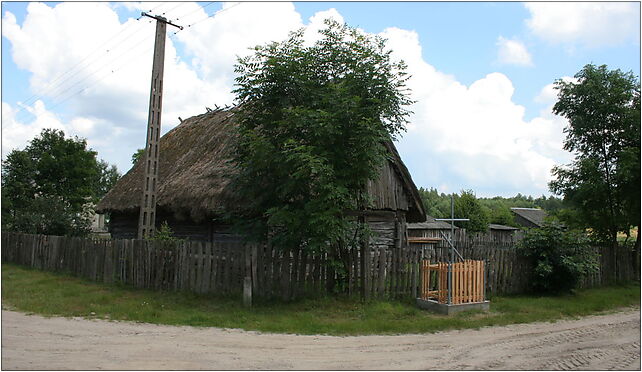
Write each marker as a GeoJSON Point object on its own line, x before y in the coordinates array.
{"type": "Point", "coordinates": [165, 234]}
{"type": "Point", "coordinates": [560, 258]}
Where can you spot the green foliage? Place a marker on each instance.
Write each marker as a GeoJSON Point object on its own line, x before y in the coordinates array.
{"type": "Point", "coordinates": [497, 208]}
{"type": "Point", "coordinates": [137, 155]}
{"type": "Point", "coordinates": [435, 204]}
{"type": "Point", "coordinates": [311, 133]}
{"type": "Point", "coordinates": [467, 206]}
{"type": "Point", "coordinates": [560, 258]}
{"type": "Point", "coordinates": [164, 234]}
{"type": "Point", "coordinates": [108, 176]}
{"type": "Point", "coordinates": [48, 187]}
{"type": "Point", "coordinates": [602, 183]}
{"type": "Point", "coordinates": [502, 216]}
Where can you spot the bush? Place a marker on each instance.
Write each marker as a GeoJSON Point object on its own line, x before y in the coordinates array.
{"type": "Point", "coordinates": [560, 258]}
{"type": "Point", "coordinates": [165, 234]}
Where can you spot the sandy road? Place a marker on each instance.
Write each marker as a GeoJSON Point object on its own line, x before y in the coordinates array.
{"type": "Point", "coordinates": [601, 342]}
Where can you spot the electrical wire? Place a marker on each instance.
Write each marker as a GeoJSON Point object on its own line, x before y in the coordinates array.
{"type": "Point", "coordinates": [50, 90]}
{"type": "Point", "coordinates": [57, 96]}
{"type": "Point", "coordinates": [194, 11]}
{"type": "Point", "coordinates": [126, 63]}
{"type": "Point", "coordinates": [76, 68]}
{"type": "Point", "coordinates": [212, 15]}
{"type": "Point", "coordinates": [145, 38]}
{"type": "Point", "coordinates": [169, 10]}
{"type": "Point", "coordinates": [84, 64]}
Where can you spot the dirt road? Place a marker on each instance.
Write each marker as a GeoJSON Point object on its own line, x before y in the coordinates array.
{"type": "Point", "coordinates": [597, 342]}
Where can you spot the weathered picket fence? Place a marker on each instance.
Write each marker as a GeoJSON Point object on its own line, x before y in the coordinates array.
{"type": "Point", "coordinates": [219, 267]}
{"type": "Point", "coordinates": [224, 267]}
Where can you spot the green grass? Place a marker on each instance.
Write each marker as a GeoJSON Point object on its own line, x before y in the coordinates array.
{"type": "Point", "coordinates": [52, 294]}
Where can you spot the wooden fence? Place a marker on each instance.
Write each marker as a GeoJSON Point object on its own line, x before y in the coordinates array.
{"type": "Point", "coordinates": [467, 281]}
{"type": "Point", "coordinates": [226, 267]}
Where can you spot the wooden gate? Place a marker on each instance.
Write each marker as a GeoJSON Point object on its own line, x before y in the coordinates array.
{"type": "Point", "coordinates": [467, 281]}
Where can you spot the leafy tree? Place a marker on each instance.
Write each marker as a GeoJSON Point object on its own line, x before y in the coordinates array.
{"type": "Point", "coordinates": [108, 176]}
{"type": "Point", "coordinates": [137, 155]}
{"type": "Point", "coordinates": [560, 258]}
{"type": "Point", "coordinates": [48, 187]}
{"type": "Point", "coordinates": [311, 132]}
{"type": "Point", "coordinates": [603, 182]}
{"type": "Point", "coordinates": [467, 206]}
{"type": "Point", "coordinates": [502, 216]}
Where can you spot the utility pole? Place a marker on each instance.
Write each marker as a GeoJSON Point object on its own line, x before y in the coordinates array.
{"type": "Point", "coordinates": [147, 214]}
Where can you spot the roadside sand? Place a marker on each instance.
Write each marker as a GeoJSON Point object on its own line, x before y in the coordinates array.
{"type": "Point", "coordinates": [603, 342]}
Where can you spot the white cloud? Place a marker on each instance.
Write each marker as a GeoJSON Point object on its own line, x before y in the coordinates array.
{"type": "Point", "coordinates": [460, 136]}
{"type": "Point", "coordinates": [475, 133]}
{"type": "Point", "coordinates": [107, 94]}
{"type": "Point", "coordinates": [513, 52]}
{"type": "Point", "coordinates": [15, 135]}
{"type": "Point", "coordinates": [215, 44]}
{"type": "Point", "coordinates": [592, 24]}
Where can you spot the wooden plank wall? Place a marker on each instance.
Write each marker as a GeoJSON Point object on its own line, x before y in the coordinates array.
{"type": "Point", "coordinates": [221, 267]}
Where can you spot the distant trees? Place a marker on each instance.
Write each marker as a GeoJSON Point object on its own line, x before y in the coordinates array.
{"type": "Point", "coordinates": [46, 188]}
{"type": "Point", "coordinates": [602, 184]}
{"type": "Point", "coordinates": [496, 209]}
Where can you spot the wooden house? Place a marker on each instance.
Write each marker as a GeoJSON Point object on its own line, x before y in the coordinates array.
{"type": "Point", "coordinates": [194, 187]}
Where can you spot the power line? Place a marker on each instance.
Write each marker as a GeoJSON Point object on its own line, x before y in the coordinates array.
{"type": "Point", "coordinates": [59, 79]}
{"type": "Point", "coordinates": [212, 15]}
{"type": "Point", "coordinates": [76, 70]}
{"type": "Point", "coordinates": [145, 38]}
{"type": "Point", "coordinates": [60, 93]}
{"type": "Point", "coordinates": [169, 10]}
{"type": "Point", "coordinates": [194, 11]}
{"type": "Point", "coordinates": [125, 63]}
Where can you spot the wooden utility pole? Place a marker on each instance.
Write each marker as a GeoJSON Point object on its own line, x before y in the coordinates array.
{"type": "Point", "coordinates": [147, 215]}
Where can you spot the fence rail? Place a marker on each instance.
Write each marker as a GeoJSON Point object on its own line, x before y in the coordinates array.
{"type": "Point", "coordinates": [225, 267]}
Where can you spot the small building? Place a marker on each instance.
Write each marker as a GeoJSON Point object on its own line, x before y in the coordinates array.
{"type": "Point", "coordinates": [194, 190]}
{"type": "Point", "coordinates": [430, 228]}
{"type": "Point", "coordinates": [503, 234]}
{"type": "Point", "coordinates": [529, 217]}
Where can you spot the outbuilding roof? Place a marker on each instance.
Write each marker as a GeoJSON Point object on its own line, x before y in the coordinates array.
{"type": "Point", "coordinates": [534, 215]}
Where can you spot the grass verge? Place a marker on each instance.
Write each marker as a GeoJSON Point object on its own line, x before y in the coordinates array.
{"type": "Point", "coordinates": [52, 294]}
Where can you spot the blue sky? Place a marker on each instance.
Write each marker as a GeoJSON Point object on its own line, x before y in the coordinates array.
{"type": "Point", "coordinates": [482, 74]}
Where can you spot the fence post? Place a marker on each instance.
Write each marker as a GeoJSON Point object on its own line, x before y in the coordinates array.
{"type": "Point", "coordinates": [247, 281]}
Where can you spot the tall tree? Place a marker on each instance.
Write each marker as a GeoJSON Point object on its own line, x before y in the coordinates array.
{"type": "Point", "coordinates": [311, 132]}
{"type": "Point", "coordinates": [47, 187]}
{"type": "Point", "coordinates": [467, 206]}
{"type": "Point", "coordinates": [603, 181]}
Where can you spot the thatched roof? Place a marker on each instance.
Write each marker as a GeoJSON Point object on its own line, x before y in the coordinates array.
{"type": "Point", "coordinates": [194, 172]}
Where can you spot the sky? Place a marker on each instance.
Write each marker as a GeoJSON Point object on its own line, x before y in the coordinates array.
{"type": "Point", "coordinates": [482, 74]}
